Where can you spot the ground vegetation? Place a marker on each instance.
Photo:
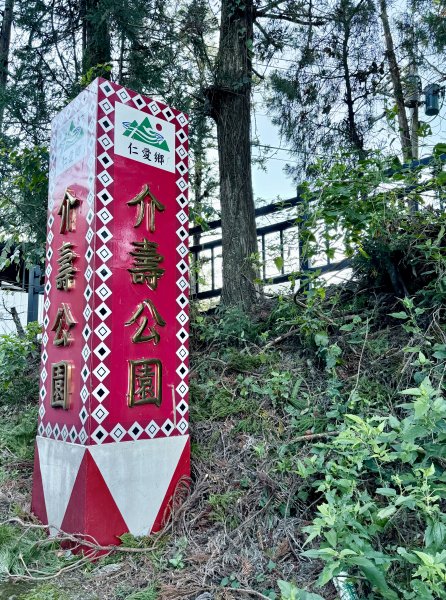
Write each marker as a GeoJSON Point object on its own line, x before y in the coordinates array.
{"type": "Point", "coordinates": [318, 429]}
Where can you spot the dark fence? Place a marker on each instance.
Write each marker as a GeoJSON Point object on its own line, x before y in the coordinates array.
{"type": "Point", "coordinates": [212, 246]}
{"type": "Point", "coordinates": [263, 232]}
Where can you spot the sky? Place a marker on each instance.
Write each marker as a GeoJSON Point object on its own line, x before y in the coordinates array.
{"type": "Point", "coordinates": [275, 183]}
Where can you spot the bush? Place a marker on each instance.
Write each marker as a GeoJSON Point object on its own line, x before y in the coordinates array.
{"type": "Point", "coordinates": [407, 256]}
{"type": "Point", "coordinates": [19, 366]}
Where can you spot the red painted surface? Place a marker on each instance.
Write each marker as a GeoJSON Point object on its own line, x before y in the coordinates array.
{"type": "Point", "coordinates": [176, 490]}
{"type": "Point", "coordinates": [38, 498]}
{"type": "Point", "coordinates": [91, 506]}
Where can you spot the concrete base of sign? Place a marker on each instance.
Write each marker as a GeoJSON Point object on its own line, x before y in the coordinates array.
{"type": "Point", "coordinates": [105, 490]}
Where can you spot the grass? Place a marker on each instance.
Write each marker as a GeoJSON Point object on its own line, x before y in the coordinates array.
{"type": "Point", "coordinates": [243, 521]}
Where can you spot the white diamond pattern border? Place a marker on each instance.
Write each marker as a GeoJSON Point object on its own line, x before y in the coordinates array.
{"type": "Point", "coordinates": [102, 250]}
{"type": "Point", "coordinates": [182, 283]}
{"type": "Point", "coordinates": [47, 429]}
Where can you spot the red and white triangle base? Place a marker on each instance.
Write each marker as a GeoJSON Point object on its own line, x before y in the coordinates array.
{"type": "Point", "coordinates": [105, 490]}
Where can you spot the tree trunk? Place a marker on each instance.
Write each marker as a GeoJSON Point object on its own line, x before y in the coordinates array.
{"type": "Point", "coordinates": [95, 37]}
{"type": "Point", "coordinates": [5, 42]}
{"type": "Point", "coordinates": [395, 75]}
{"type": "Point", "coordinates": [197, 186]}
{"type": "Point", "coordinates": [354, 137]}
{"type": "Point", "coordinates": [18, 325]}
{"type": "Point", "coordinates": [230, 101]}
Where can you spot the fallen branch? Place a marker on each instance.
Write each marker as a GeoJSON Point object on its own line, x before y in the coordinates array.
{"type": "Point", "coordinates": [280, 338]}
{"type": "Point", "coordinates": [252, 593]}
{"type": "Point", "coordinates": [314, 436]}
{"type": "Point", "coordinates": [315, 310]}
{"type": "Point", "coordinates": [81, 539]}
{"type": "Point", "coordinates": [43, 577]}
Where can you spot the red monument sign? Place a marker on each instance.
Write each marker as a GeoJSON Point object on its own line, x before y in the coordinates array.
{"type": "Point", "coordinates": [113, 438]}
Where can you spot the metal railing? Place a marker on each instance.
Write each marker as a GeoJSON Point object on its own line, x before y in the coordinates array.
{"type": "Point", "coordinates": [263, 232]}
{"type": "Point", "coordinates": [297, 224]}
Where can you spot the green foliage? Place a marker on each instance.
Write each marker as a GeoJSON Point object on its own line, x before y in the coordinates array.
{"type": "Point", "coordinates": [19, 360]}
{"type": "Point", "coordinates": [23, 192]}
{"type": "Point", "coordinates": [100, 70]}
{"type": "Point", "coordinates": [369, 212]}
{"type": "Point", "coordinates": [148, 593]}
{"type": "Point", "coordinates": [289, 591]}
{"type": "Point", "coordinates": [380, 474]}
{"type": "Point", "coordinates": [230, 581]}
{"type": "Point", "coordinates": [31, 552]}
{"type": "Point", "coordinates": [18, 431]}
{"type": "Point", "coordinates": [232, 326]}
{"type": "Point", "coordinates": [45, 592]}
{"type": "Point", "coordinates": [220, 505]}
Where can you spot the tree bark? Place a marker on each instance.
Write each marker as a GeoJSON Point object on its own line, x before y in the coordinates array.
{"type": "Point", "coordinates": [18, 325]}
{"type": "Point", "coordinates": [395, 75]}
{"type": "Point", "coordinates": [230, 101]}
{"type": "Point", "coordinates": [5, 43]}
{"type": "Point", "coordinates": [197, 186]}
{"type": "Point", "coordinates": [355, 139]}
{"type": "Point", "coordinates": [95, 37]}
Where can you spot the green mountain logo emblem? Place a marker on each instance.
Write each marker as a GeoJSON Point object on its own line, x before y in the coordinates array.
{"type": "Point", "coordinates": [72, 136]}
{"type": "Point", "coordinates": [145, 133]}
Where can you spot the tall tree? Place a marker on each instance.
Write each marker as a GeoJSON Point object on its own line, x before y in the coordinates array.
{"type": "Point", "coordinates": [5, 43]}
{"type": "Point", "coordinates": [398, 92]}
{"type": "Point", "coordinates": [230, 100]}
{"type": "Point", "coordinates": [96, 43]}
{"type": "Point", "coordinates": [326, 97]}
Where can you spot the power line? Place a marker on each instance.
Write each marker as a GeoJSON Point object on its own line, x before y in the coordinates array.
{"type": "Point", "coordinates": [255, 144]}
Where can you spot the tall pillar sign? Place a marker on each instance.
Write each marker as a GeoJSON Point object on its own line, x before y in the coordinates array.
{"type": "Point", "coordinates": [113, 439]}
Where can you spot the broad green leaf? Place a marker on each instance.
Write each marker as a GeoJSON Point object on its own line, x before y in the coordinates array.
{"type": "Point", "coordinates": [435, 534]}
{"type": "Point", "coordinates": [399, 315]}
{"type": "Point", "coordinates": [355, 419]}
{"type": "Point", "coordinates": [439, 149]}
{"type": "Point", "coordinates": [331, 537]}
{"type": "Point", "coordinates": [328, 572]}
{"type": "Point", "coordinates": [290, 592]}
{"type": "Point", "coordinates": [411, 392]}
{"type": "Point", "coordinates": [321, 339]}
{"type": "Point", "coordinates": [375, 576]}
{"type": "Point", "coordinates": [278, 261]}
{"type": "Point", "coordinates": [425, 558]}
{"type": "Point", "coordinates": [407, 555]}
{"type": "Point", "coordinates": [386, 491]}
{"type": "Point", "coordinates": [386, 512]}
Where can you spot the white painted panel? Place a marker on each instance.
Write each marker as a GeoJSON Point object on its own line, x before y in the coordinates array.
{"type": "Point", "coordinates": [138, 475]}
{"type": "Point", "coordinates": [59, 465]}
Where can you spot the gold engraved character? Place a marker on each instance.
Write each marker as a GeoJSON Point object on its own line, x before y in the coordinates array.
{"type": "Point", "coordinates": [62, 325]}
{"type": "Point", "coordinates": [151, 333]}
{"type": "Point", "coordinates": [145, 379]}
{"type": "Point", "coordinates": [146, 263]}
{"type": "Point", "coordinates": [68, 204]}
{"type": "Point", "coordinates": [66, 272]}
{"type": "Point", "coordinates": [142, 200]}
{"type": "Point", "coordinates": [61, 384]}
